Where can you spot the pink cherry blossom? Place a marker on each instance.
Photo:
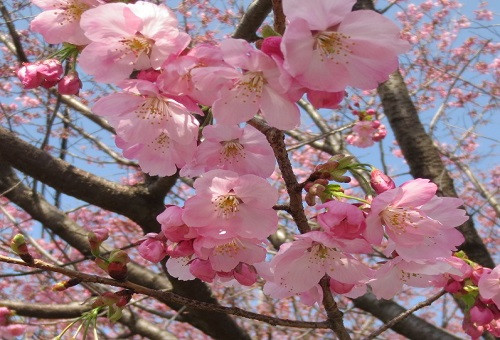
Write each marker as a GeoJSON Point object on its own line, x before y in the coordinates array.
{"type": "Point", "coordinates": [412, 215]}
{"type": "Point", "coordinates": [346, 223]}
{"type": "Point", "coordinates": [179, 267]}
{"type": "Point", "coordinates": [480, 314]}
{"type": "Point", "coordinates": [142, 110]}
{"type": "Point", "coordinates": [225, 254]}
{"type": "Point", "coordinates": [152, 248]}
{"type": "Point", "coordinates": [173, 227]}
{"type": "Point", "coordinates": [300, 265]}
{"type": "Point", "coordinates": [60, 22]}
{"type": "Point", "coordinates": [245, 274]}
{"type": "Point", "coordinates": [330, 47]}
{"type": "Point", "coordinates": [227, 205]}
{"type": "Point", "coordinates": [392, 275]}
{"type": "Point", "coordinates": [157, 153]}
{"type": "Point", "coordinates": [69, 84]}
{"type": "Point", "coordinates": [125, 37]}
{"type": "Point", "coordinates": [245, 151]}
{"type": "Point", "coordinates": [242, 94]}
{"type": "Point", "coordinates": [489, 286]}
{"type": "Point", "coordinates": [380, 182]}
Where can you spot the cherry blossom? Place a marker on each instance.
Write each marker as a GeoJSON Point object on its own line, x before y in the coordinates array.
{"type": "Point", "coordinates": [125, 37]}
{"type": "Point", "coordinates": [242, 150]}
{"type": "Point", "coordinates": [329, 47]}
{"type": "Point", "coordinates": [60, 22]}
{"type": "Point", "coordinates": [300, 265]}
{"type": "Point", "coordinates": [252, 84]}
{"type": "Point", "coordinates": [227, 205]}
{"type": "Point", "coordinates": [489, 286]}
{"type": "Point", "coordinates": [414, 217]}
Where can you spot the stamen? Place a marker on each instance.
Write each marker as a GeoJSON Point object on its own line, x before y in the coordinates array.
{"type": "Point", "coordinates": [333, 45]}
{"type": "Point", "coordinates": [232, 150]}
{"type": "Point", "coordinates": [226, 205]}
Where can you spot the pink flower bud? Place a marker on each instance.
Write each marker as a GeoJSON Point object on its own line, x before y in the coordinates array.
{"type": "Point", "coordinates": [69, 84]}
{"type": "Point", "coordinates": [473, 331]}
{"type": "Point", "coordinates": [51, 70]}
{"type": "Point", "coordinates": [202, 269]}
{"type": "Point", "coordinates": [117, 267]}
{"type": "Point", "coordinates": [380, 182]}
{"type": "Point", "coordinates": [327, 100]}
{"type": "Point", "coordinates": [481, 315]}
{"type": "Point", "coordinates": [380, 134]}
{"type": "Point", "coordinates": [152, 249]}
{"type": "Point", "coordinates": [375, 124]}
{"type": "Point", "coordinates": [96, 237]}
{"type": "Point", "coordinates": [453, 286]}
{"type": "Point", "coordinates": [29, 76]}
{"type": "Point", "coordinates": [271, 47]}
{"type": "Point", "coordinates": [245, 274]}
{"type": "Point", "coordinates": [181, 249]}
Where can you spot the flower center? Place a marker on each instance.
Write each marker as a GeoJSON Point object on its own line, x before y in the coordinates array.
{"type": "Point", "coordinates": [333, 45]}
{"type": "Point", "coordinates": [227, 205]}
{"type": "Point", "coordinates": [230, 249]}
{"type": "Point", "coordinates": [73, 11]}
{"type": "Point", "coordinates": [154, 110]}
{"type": "Point", "coordinates": [232, 149]}
{"type": "Point", "coordinates": [400, 218]}
{"type": "Point", "coordinates": [250, 86]}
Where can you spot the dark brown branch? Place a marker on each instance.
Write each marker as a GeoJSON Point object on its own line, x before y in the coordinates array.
{"type": "Point", "coordinates": [254, 16]}
{"type": "Point", "coordinates": [16, 40]}
{"type": "Point", "coordinates": [50, 311]}
{"type": "Point", "coordinates": [131, 202]}
{"type": "Point", "coordinates": [277, 140]}
{"type": "Point", "coordinates": [217, 325]}
{"type": "Point", "coordinates": [165, 296]}
{"type": "Point", "coordinates": [335, 316]}
{"type": "Point", "coordinates": [404, 315]}
{"type": "Point", "coordinates": [279, 16]}
{"type": "Point", "coordinates": [412, 327]}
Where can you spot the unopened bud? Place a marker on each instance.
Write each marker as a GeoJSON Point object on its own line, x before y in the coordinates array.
{"type": "Point", "coordinates": [380, 182]}
{"type": "Point", "coordinates": [124, 297]}
{"type": "Point", "coordinates": [63, 285]}
{"type": "Point", "coordinates": [117, 267]}
{"type": "Point", "coordinates": [69, 84]}
{"type": "Point", "coordinates": [19, 246]}
{"type": "Point", "coordinates": [96, 237]}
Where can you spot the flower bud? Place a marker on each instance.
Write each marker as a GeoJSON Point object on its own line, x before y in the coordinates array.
{"type": "Point", "coordinates": [245, 274]}
{"type": "Point", "coordinates": [477, 273]}
{"type": "Point", "coordinates": [29, 76]}
{"type": "Point", "coordinates": [63, 285]}
{"type": "Point", "coordinates": [96, 237]}
{"type": "Point", "coordinates": [69, 84]}
{"type": "Point", "coordinates": [152, 249]}
{"type": "Point", "coordinates": [380, 182]}
{"type": "Point", "coordinates": [181, 249]}
{"type": "Point", "coordinates": [51, 70]}
{"type": "Point", "coordinates": [453, 287]}
{"type": "Point", "coordinates": [124, 297]}
{"type": "Point", "coordinates": [271, 46]}
{"type": "Point", "coordinates": [481, 315]}
{"type": "Point", "coordinates": [117, 267]}
{"type": "Point", "coordinates": [202, 269]}
{"type": "Point", "coordinates": [326, 100]}
{"type": "Point", "coordinates": [19, 246]}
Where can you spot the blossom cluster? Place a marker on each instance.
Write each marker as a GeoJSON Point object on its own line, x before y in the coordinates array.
{"type": "Point", "coordinates": [171, 92]}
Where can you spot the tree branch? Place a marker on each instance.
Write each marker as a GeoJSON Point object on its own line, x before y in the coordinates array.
{"type": "Point", "coordinates": [254, 16]}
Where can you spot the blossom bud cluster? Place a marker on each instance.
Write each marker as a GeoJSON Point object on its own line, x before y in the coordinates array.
{"type": "Point", "coordinates": [479, 289]}
{"type": "Point", "coordinates": [48, 73]}
{"type": "Point", "coordinates": [169, 94]}
{"type": "Point", "coordinates": [8, 328]}
{"type": "Point", "coordinates": [366, 131]}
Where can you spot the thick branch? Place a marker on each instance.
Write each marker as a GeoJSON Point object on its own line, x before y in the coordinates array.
{"type": "Point", "coordinates": [50, 311]}
{"type": "Point", "coordinates": [254, 16]}
{"type": "Point", "coordinates": [165, 296]}
{"type": "Point", "coordinates": [131, 202]}
{"type": "Point", "coordinates": [411, 327]}
{"type": "Point", "coordinates": [219, 326]}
